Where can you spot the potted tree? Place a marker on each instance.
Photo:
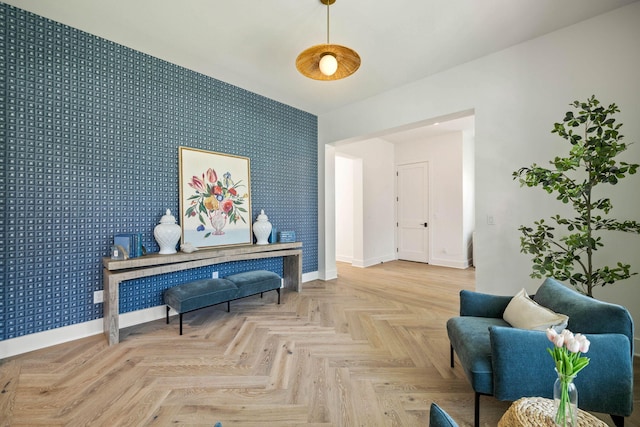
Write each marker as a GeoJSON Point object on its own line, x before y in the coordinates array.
{"type": "Point", "coordinates": [569, 256]}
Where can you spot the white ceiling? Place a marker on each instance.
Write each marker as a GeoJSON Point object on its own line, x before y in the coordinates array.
{"type": "Point", "coordinates": [253, 44]}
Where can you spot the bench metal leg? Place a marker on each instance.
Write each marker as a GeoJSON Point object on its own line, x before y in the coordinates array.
{"type": "Point", "coordinates": [261, 294]}
{"type": "Point", "coordinates": [278, 291]}
{"type": "Point", "coordinates": [228, 306]}
{"type": "Point", "coordinates": [167, 315]}
{"type": "Point", "coordinates": [180, 323]}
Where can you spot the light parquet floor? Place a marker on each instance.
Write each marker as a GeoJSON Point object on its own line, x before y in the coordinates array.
{"type": "Point", "coordinates": [367, 349]}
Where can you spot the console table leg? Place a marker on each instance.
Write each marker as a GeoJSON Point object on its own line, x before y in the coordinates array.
{"type": "Point", "coordinates": [292, 272]}
{"type": "Point", "coordinates": [111, 308]}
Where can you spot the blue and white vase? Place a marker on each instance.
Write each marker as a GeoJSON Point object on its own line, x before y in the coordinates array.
{"type": "Point", "coordinates": [167, 234]}
{"type": "Point", "coordinates": [262, 229]}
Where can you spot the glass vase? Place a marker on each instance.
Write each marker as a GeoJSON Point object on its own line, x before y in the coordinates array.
{"type": "Point", "coordinates": [565, 398]}
{"type": "Point", "coordinates": [218, 221]}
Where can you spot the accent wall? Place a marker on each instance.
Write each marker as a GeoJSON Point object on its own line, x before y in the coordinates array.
{"type": "Point", "coordinates": [90, 132]}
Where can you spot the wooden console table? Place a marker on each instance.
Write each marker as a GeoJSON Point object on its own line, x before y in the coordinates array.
{"type": "Point", "coordinates": [117, 271]}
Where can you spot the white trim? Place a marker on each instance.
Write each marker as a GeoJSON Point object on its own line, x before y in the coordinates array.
{"type": "Point", "coordinates": [31, 342]}
{"type": "Point", "coordinates": [57, 336]}
{"type": "Point", "coordinates": [143, 316]}
{"type": "Point", "coordinates": [347, 259]}
{"type": "Point", "coordinates": [378, 260]}
{"type": "Point", "coordinates": [450, 263]}
{"type": "Point", "coordinates": [329, 274]}
{"type": "Point", "coordinates": [309, 277]}
{"type": "Point", "coordinates": [358, 263]}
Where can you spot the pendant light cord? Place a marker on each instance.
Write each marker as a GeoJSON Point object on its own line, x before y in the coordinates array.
{"type": "Point", "coordinates": [328, 22]}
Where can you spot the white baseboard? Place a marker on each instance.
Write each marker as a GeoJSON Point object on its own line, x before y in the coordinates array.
{"type": "Point", "coordinates": [39, 340]}
{"type": "Point", "coordinates": [329, 274]}
{"type": "Point", "coordinates": [31, 342]}
{"type": "Point", "coordinates": [364, 263]}
{"type": "Point", "coordinates": [357, 263]}
{"type": "Point", "coordinates": [344, 258]}
{"type": "Point", "coordinates": [308, 277]}
{"type": "Point", "coordinates": [378, 260]}
{"type": "Point", "coordinates": [450, 263]}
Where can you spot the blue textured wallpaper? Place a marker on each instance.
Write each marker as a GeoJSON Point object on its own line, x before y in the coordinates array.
{"type": "Point", "coordinates": [89, 132]}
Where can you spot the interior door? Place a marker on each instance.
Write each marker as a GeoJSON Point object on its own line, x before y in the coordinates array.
{"type": "Point", "coordinates": [413, 212]}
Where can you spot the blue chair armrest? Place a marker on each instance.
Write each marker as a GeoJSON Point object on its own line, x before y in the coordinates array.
{"type": "Point", "coordinates": [522, 367]}
{"type": "Point", "coordinates": [606, 384]}
{"type": "Point", "coordinates": [482, 305]}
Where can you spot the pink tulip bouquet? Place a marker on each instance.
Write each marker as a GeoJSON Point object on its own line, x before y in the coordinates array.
{"type": "Point", "coordinates": [567, 355]}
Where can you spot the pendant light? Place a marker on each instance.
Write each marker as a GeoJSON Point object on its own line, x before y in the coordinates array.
{"type": "Point", "coordinates": [328, 61]}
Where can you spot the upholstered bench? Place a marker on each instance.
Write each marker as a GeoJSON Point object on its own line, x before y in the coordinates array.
{"type": "Point", "coordinates": [207, 292]}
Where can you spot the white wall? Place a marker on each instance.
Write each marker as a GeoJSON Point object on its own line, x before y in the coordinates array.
{"type": "Point", "coordinates": [517, 95]}
{"type": "Point", "coordinates": [374, 215]}
{"type": "Point", "coordinates": [344, 208]}
{"type": "Point", "coordinates": [449, 231]}
{"type": "Point", "coordinates": [468, 193]}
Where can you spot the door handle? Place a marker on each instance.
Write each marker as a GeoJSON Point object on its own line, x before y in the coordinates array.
{"type": "Point", "coordinates": [426, 224]}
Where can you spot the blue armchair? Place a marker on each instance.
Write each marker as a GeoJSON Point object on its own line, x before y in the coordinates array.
{"type": "Point", "coordinates": [510, 363]}
{"type": "Point", "coordinates": [439, 418]}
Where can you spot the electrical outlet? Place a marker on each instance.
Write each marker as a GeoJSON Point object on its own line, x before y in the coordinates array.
{"type": "Point", "coordinates": [214, 275]}
{"type": "Point", "coordinates": [98, 297]}
{"type": "Point", "coordinates": [490, 220]}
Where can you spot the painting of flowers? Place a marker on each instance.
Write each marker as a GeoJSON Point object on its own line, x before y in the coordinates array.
{"type": "Point", "coordinates": [215, 202]}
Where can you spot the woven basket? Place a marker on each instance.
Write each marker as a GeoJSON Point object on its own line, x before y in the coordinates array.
{"type": "Point", "coordinates": [539, 412]}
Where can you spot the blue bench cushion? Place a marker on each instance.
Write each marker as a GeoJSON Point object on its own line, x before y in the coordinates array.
{"type": "Point", "coordinates": [469, 337]}
{"type": "Point", "coordinates": [255, 282]}
{"type": "Point", "coordinates": [198, 294]}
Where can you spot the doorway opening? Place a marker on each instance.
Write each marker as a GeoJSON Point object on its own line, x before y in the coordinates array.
{"type": "Point", "coordinates": [377, 201]}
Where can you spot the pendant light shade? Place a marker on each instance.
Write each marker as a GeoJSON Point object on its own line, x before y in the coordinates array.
{"type": "Point", "coordinates": [328, 61]}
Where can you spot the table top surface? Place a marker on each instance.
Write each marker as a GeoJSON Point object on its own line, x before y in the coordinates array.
{"type": "Point", "coordinates": [540, 412]}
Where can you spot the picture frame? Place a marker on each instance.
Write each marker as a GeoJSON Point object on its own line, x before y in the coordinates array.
{"type": "Point", "coordinates": [215, 198]}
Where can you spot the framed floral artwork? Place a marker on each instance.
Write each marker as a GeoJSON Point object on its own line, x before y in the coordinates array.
{"type": "Point", "coordinates": [215, 198]}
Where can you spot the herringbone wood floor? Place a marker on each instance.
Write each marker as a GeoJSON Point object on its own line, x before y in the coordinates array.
{"type": "Point", "coordinates": [367, 349]}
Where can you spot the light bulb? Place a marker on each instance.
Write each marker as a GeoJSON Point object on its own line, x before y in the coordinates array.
{"type": "Point", "coordinates": [328, 64]}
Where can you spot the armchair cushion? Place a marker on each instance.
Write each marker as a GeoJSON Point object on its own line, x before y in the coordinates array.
{"type": "Point", "coordinates": [524, 313]}
{"type": "Point", "coordinates": [468, 336]}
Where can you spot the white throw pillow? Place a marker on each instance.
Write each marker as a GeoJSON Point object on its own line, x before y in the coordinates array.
{"type": "Point", "coordinates": [524, 313]}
